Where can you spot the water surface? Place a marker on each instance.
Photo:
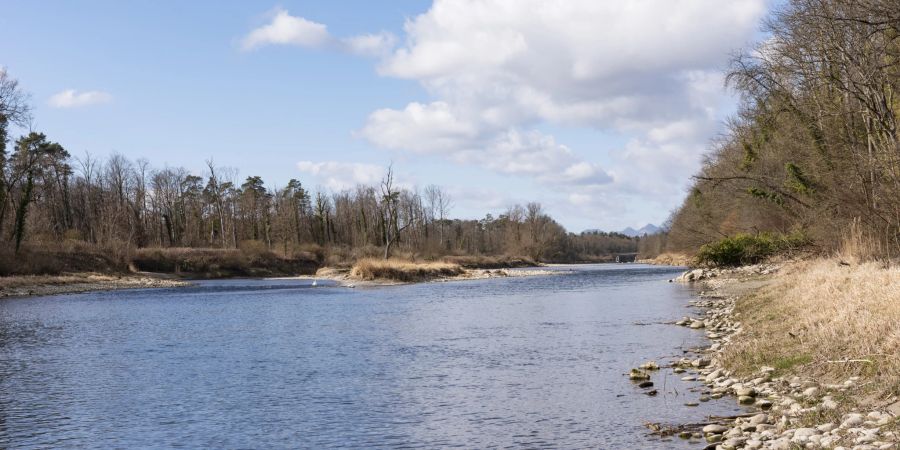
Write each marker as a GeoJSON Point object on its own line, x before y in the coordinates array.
{"type": "Point", "coordinates": [517, 362]}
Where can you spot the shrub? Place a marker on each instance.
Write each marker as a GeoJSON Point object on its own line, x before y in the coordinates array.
{"type": "Point", "coordinates": [744, 248]}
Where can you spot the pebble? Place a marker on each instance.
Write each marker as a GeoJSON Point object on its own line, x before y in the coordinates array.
{"type": "Point", "coordinates": [715, 428]}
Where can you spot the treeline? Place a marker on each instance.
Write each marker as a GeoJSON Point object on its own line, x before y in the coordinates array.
{"type": "Point", "coordinates": [49, 197]}
{"type": "Point", "coordinates": [813, 152]}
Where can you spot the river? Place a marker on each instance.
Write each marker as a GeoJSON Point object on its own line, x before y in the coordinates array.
{"type": "Point", "coordinates": [515, 362]}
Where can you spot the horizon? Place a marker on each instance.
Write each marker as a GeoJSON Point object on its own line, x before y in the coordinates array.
{"type": "Point", "coordinates": [599, 112]}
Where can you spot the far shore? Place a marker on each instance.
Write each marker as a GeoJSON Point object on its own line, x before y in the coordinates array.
{"type": "Point", "coordinates": [81, 282]}
{"type": "Point", "coordinates": [43, 285]}
{"type": "Point", "coordinates": [344, 278]}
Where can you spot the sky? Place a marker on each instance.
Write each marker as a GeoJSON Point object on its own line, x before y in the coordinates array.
{"type": "Point", "coordinates": [599, 110]}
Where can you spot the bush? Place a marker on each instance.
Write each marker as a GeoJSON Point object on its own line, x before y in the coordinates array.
{"type": "Point", "coordinates": [744, 248]}
{"type": "Point", "coordinates": [55, 259]}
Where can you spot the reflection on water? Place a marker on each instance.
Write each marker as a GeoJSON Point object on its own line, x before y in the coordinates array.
{"type": "Point", "coordinates": [522, 362]}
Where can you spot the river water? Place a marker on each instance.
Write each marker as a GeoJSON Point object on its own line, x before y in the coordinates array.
{"type": "Point", "coordinates": [516, 362]}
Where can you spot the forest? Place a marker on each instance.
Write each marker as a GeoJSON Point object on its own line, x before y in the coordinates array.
{"type": "Point", "coordinates": [54, 206]}
{"type": "Point", "coordinates": [811, 161]}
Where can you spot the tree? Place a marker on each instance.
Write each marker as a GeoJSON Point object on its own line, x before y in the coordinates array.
{"type": "Point", "coordinates": [390, 199]}
{"type": "Point", "coordinates": [14, 110]}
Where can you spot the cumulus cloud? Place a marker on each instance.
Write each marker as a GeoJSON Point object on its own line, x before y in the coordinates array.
{"type": "Point", "coordinates": [338, 176]}
{"type": "Point", "coordinates": [70, 98]}
{"type": "Point", "coordinates": [497, 71]}
{"type": "Point", "coordinates": [285, 29]}
{"type": "Point", "coordinates": [650, 71]}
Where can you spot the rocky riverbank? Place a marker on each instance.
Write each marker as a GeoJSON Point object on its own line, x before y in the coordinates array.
{"type": "Point", "coordinates": [791, 410]}
{"type": "Point", "coordinates": [40, 285]}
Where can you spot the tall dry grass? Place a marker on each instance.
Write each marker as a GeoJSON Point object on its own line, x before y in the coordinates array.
{"type": "Point", "coordinates": [859, 245]}
{"type": "Point", "coordinates": [670, 259]}
{"type": "Point", "coordinates": [826, 319]}
{"type": "Point", "coordinates": [402, 270]}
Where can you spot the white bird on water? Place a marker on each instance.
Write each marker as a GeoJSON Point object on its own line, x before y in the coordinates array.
{"type": "Point", "coordinates": [315, 282]}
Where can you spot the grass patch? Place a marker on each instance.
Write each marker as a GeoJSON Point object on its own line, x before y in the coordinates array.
{"type": "Point", "coordinates": [784, 364]}
{"type": "Point", "coordinates": [743, 248]}
{"type": "Point", "coordinates": [824, 320]}
{"type": "Point", "coordinates": [401, 270]}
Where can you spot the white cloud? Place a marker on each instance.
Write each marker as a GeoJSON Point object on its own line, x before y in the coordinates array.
{"type": "Point", "coordinates": [286, 29]}
{"type": "Point", "coordinates": [70, 98]}
{"type": "Point", "coordinates": [421, 128]}
{"type": "Point", "coordinates": [338, 176]}
{"type": "Point", "coordinates": [497, 69]}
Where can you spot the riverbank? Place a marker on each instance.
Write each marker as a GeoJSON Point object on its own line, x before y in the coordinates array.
{"type": "Point", "coordinates": [40, 285]}
{"type": "Point", "coordinates": [812, 345]}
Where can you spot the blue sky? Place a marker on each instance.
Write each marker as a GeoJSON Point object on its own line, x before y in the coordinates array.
{"type": "Point", "coordinates": [598, 110]}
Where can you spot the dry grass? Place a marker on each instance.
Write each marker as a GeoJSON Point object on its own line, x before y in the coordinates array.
{"type": "Point", "coordinates": [401, 270]}
{"type": "Point", "coordinates": [824, 319]}
{"type": "Point", "coordinates": [217, 262]}
{"type": "Point", "coordinates": [670, 259]}
{"type": "Point", "coordinates": [859, 245]}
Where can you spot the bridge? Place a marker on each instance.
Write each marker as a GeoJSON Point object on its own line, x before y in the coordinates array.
{"type": "Point", "coordinates": [626, 257]}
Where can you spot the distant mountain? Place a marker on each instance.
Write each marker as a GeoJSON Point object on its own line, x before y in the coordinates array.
{"type": "Point", "coordinates": [646, 229]}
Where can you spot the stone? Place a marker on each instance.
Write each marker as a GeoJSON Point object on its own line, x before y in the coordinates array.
{"type": "Point", "coordinates": [745, 392]}
{"type": "Point", "coordinates": [764, 405]}
{"type": "Point", "coordinates": [713, 375]}
{"type": "Point", "coordinates": [638, 375]}
{"type": "Point", "coordinates": [697, 325]}
{"type": "Point", "coordinates": [810, 392]}
{"type": "Point", "coordinates": [701, 362]}
{"type": "Point", "coordinates": [825, 427]}
{"type": "Point", "coordinates": [733, 443]}
{"type": "Point", "coordinates": [650, 365]}
{"type": "Point", "coordinates": [645, 384]}
{"type": "Point", "coordinates": [685, 435]}
{"type": "Point", "coordinates": [746, 400]}
{"type": "Point", "coordinates": [805, 432]}
{"type": "Point", "coordinates": [753, 444]}
{"type": "Point", "coordinates": [715, 429]}
{"type": "Point", "coordinates": [759, 418]}
{"type": "Point", "coordinates": [852, 420]}
{"type": "Point", "coordinates": [691, 404]}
